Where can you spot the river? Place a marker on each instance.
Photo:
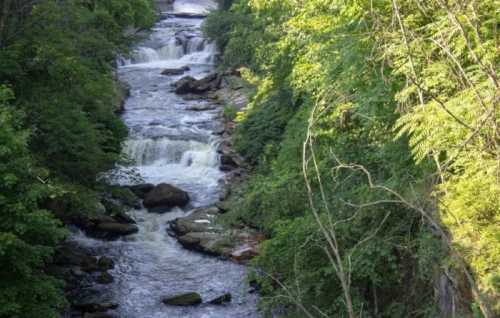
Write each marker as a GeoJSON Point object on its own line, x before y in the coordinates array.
{"type": "Point", "coordinates": [170, 143]}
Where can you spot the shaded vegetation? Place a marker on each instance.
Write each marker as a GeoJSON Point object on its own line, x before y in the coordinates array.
{"type": "Point", "coordinates": [58, 130]}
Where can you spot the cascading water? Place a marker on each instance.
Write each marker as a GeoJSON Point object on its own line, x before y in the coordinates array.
{"type": "Point", "coordinates": [170, 143]}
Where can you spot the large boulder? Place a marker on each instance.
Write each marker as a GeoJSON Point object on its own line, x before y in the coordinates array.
{"type": "Point", "coordinates": [216, 244]}
{"type": "Point", "coordinates": [200, 232]}
{"type": "Point", "coordinates": [190, 85]}
{"type": "Point", "coordinates": [165, 196]}
{"type": "Point", "coordinates": [187, 299]}
{"type": "Point", "coordinates": [141, 190]}
{"type": "Point", "coordinates": [114, 229]}
{"type": "Point", "coordinates": [187, 85]}
{"type": "Point", "coordinates": [200, 220]}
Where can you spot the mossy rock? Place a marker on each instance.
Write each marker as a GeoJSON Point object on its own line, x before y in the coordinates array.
{"type": "Point", "coordinates": [187, 299]}
{"type": "Point", "coordinates": [125, 196]}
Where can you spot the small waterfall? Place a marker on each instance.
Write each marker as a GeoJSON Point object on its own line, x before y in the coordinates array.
{"type": "Point", "coordinates": [165, 151]}
{"type": "Point", "coordinates": [197, 158]}
{"type": "Point", "coordinates": [204, 56]}
{"type": "Point", "coordinates": [172, 51]}
{"type": "Point", "coordinates": [195, 6]}
{"type": "Point", "coordinates": [195, 45]}
{"type": "Point", "coordinates": [144, 55]}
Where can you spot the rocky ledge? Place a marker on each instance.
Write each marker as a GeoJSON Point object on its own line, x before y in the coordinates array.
{"type": "Point", "coordinates": [81, 268]}
{"type": "Point", "coordinates": [200, 231]}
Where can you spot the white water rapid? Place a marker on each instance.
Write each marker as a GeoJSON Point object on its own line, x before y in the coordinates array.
{"type": "Point", "coordinates": [172, 144]}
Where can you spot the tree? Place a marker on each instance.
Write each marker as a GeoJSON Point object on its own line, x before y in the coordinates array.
{"type": "Point", "coordinates": [28, 234]}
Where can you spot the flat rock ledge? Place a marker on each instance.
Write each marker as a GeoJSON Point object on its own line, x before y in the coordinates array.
{"type": "Point", "coordinates": [200, 232]}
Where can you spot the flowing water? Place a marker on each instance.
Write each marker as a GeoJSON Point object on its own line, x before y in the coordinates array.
{"type": "Point", "coordinates": [170, 143]}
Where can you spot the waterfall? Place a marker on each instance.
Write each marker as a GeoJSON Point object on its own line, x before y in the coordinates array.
{"type": "Point", "coordinates": [195, 6]}
{"type": "Point", "coordinates": [164, 151]}
{"type": "Point", "coordinates": [144, 55]}
{"type": "Point", "coordinates": [195, 45]}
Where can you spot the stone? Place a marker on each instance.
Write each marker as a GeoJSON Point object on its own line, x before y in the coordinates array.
{"type": "Point", "coordinates": [189, 84]}
{"type": "Point", "coordinates": [244, 253]}
{"type": "Point", "coordinates": [112, 229]}
{"type": "Point", "coordinates": [189, 223]}
{"type": "Point", "coordinates": [188, 15]}
{"type": "Point", "coordinates": [186, 85]}
{"type": "Point", "coordinates": [98, 219]}
{"type": "Point", "coordinates": [228, 160]}
{"type": "Point", "coordinates": [123, 217]}
{"type": "Point", "coordinates": [186, 299]}
{"type": "Point", "coordinates": [125, 196]}
{"type": "Point", "coordinates": [165, 196]}
{"type": "Point", "coordinates": [175, 71]}
{"type": "Point", "coordinates": [69, 254]}
{"type": "Point", "coordinates": [202, 107]}
{"type": "Point", "coordinates": [105, 278]}
{"type": "Point", "coordinates": [226, 168]}
{"type": "Point", "coordinates": [191, 97]}
{"type": "Point", "coordinates": [89, 265]}
{"type": "Point", "coordinates": [141, 189]}
{"type": "Point", "coordinates": [77, 272]}
{"type": "Point", "coordinates": [226, 298]}
{"type": "Point", "coordinates": [105, 263]}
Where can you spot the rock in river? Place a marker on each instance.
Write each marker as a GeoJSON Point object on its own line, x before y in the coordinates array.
{"type": "Point", "coordinates": [175, 71]}
{"type": "Point", "coordinates": [187, 299]}
{"type": "Point", "coordinates": [104, 263]}
{"type": "Point", "coordinates": [165, 196]}
{"type": "Point", "coordinates": [226, 298]}
{"type": "Point", "coordinates": [200, 232]}
{"type": "Point", "coordinates": [142, 189]}
{"type": "Point", "coordinates": [116, 229]}
{"type": "Point", "coordinates": [105, 278]}
{"type": "Point", "coordinates": [189, 84]}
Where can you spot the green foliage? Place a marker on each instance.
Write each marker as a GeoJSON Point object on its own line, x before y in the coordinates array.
{"type": "Point", "coordinates": [254, 135]}
{"type": "Point", "coordinates": [66, 87]}
{"type": "Point", "coordinates": [455, 122]}
{"type": "Point", "coordinates": [405, 90]}
{"type": "Point", "coordinates": [58, 134]}
{"type": "Point", "coordinates": [27, 233]}
{"type": "Point", "coordinates": [229, 112]}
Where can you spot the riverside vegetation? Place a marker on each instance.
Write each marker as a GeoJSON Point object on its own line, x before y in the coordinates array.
{"type": "Point", "coordinates": [58, 130]}
{"type": "Point", "coordinates": [372, 135]}
{"type": "Point", "coordinates": [374, 140]}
